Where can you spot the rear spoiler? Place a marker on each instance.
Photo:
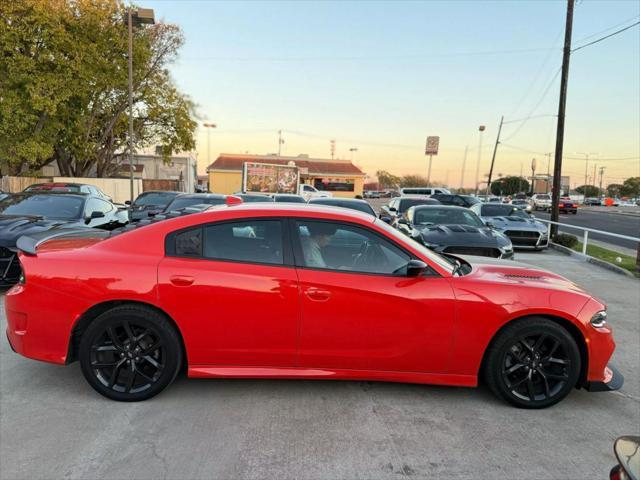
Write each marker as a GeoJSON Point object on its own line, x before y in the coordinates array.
{"type": "Point", "coordinates": [29, 243]}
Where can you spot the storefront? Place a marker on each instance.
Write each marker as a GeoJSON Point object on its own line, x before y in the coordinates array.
{"type": "Point", "coordinates": [340, 177]}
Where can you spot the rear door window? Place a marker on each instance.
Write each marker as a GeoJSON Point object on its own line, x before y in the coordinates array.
{"type": "Point", "coordinates": [252, 241]}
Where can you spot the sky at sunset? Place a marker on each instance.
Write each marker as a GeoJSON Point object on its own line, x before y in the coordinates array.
{"type": "Point", "coordinates": [381, 76]}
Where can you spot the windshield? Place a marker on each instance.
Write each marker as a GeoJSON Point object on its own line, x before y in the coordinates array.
{"type": "Point", "coordinates": [499, 210]}
{"type": "Point", "coordinates": [401, 238]}
{"type": "Point", "coordinates": [45, 205]}
{"type": "Point", "coordinates": [446, 216]}
{"type": "Point", "coordinates": [53, 187]}
{"type": "Point", "coordinates": [359, 206]}
{"type": "Point", "coordinates": [410, 202]}
{"type": "Point", "coordinates": [154, 198]}
{"type": "Point", "coordinates": [543, 197]}
{"type": "Point", "coordinates": [255, 198]}
{"type": "Point", "coordinates": [471, 200]}
{"type": "Point", "coordinates": [289, 198]}
{"type": "Point", "coordinates": [179, 203]}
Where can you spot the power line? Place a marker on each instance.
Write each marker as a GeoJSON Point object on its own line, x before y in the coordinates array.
{"type": "Point", "coordinates": [606, 36]}
{"type": "Point", "coordinates": [514, 147]}
{"type": "Point", "coordinates": [528, 117]}
{"type": "Point", "coordinates": [595, 34]}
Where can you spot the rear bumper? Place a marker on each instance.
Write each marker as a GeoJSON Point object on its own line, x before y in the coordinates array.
{"type": "Point", "coordinates": [613, 381]}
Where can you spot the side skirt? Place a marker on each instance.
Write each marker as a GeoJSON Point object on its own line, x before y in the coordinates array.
{"type": "Point", "coordinates": [208, 371]}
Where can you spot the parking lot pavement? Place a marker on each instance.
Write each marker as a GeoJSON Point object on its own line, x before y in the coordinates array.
{"type": "Point", "coordinates": [52, 425]}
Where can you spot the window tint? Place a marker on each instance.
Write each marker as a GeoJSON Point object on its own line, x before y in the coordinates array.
{"type": "Point", "coordinates": [348, 248]}
{"type": "Point", "coordinates": [254, 241]}
{"type": "Point", "coordinates": [47, 206]}
{"type": "Point", "coordinates": [189, 243]}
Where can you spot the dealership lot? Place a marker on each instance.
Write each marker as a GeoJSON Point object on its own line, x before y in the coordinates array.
{"type": "Point", "coordinates": [52, 424]}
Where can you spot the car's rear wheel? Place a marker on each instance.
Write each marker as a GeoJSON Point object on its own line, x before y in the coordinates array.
{"type": "Point", "coordinates": [130, 353]}
{"type": "Point", "coordinates": [532, 363]}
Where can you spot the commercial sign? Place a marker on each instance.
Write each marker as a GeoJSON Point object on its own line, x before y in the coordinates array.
{"type": "Point", "coordinates": [432, 146]}
{"type": "Point", "coordinates": [270, 178]}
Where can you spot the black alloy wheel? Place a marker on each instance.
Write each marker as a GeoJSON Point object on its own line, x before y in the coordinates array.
{"type": "Point", "coordinates": [130, 353]}
{"type": "Point", "coordinates": [533, 363]}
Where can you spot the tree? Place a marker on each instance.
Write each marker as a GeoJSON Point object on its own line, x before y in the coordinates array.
{"type": "Point", "coordinates": [613, 189]}
{"type": "Point", "coordinates": [66, 94]}
{"type": "Point", "coordinates": [387, 180]}
{"type": "Point", "coordinates": [631, 187]}
{"type": "Point", "coordinates": [509, 186]}
{"type": "Point", "coordinates": [588, 190]}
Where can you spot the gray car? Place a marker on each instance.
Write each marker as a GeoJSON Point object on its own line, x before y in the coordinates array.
{"type": "Point", "coordinates": [524, 231]}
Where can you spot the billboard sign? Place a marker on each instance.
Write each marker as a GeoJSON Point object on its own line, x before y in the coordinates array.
{"type": "Point", "coordinates": [270, 178]}
{"type": "Point", "coordinates": [432, 146]}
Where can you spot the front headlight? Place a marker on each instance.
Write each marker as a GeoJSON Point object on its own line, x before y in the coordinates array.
{"type": "Point", "coordinates": [599, 320]}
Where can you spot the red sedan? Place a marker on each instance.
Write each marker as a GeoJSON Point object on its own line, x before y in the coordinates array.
{"type": "Point", "coordinates": [300, 291]}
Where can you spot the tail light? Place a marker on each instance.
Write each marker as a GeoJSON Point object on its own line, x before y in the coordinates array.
{"type": "Point", "coordinates": [575, 205]}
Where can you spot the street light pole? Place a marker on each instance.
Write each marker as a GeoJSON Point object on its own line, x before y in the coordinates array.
{"type": "Point", "coordinates": [130, 81]}
{"type": "Point", "coordinates": [493, 158]}
{"type": "Point", "coordinates": [352, 149]}
{"type": "Point", "coordinates": [209, 126]}
{"type": "Point", "coordinates": [481, 129]}
{"type": "Point", "coordinates": [139, 16]}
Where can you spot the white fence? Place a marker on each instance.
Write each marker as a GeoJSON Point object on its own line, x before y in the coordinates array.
{"type": "Point", "coordinates": [585, 234]}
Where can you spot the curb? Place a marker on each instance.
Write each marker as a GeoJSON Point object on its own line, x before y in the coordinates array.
{"type": "Point", "coordinates": [595, 261]}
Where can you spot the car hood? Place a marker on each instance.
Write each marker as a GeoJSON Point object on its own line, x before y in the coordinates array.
{"type": "Point", "coordinates": [13, 227]}
{"type": "Point", "coordinates": [515, 223]}
{"type": "Point", "coordinates": [499, 271]}
{"type": "Point", "coordinates": [462, 235]}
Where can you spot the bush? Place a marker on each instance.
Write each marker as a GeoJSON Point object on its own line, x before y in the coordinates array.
{"type": "Point", "coordinates": [565, 240]}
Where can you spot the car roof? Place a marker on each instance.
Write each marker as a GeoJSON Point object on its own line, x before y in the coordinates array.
{"type": "Point", "coordinates": [414, 197]}
{"type": "Point", "coordinates": [159, 191]}
{"type": "Point", "coordinates": [202, 195]}
{"type": "Point", "coordinates": [337, 199]}
{"type": "Point", "coordinates": [433, 207]}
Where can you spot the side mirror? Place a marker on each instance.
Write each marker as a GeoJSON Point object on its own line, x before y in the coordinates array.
{"type": "Point", "coordinates": [403, 221]}
{"type": "Point", "coordinates": [415, 268]}
{"type": "Point", "coordinates": [94, 214]}
{"type": "Point", "coordinates": [489, 224]}
{"type": "Point", "coordinates": [393, 209]}
{"type": "Point", "coordinates": [386, 219]}
{"type": "Point", "coordinates": [127, 202]}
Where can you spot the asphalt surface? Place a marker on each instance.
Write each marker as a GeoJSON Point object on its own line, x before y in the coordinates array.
{"type": "Point", "coordinates": [53, 425]}
{"type": "Point", "coordinates": [601, 219]}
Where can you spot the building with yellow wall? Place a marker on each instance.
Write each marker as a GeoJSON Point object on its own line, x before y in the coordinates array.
{"type": "Point", "coordinates": [340, 177]}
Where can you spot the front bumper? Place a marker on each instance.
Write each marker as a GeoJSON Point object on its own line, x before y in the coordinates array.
{"type": "Point", "coordinates": [613, 381]}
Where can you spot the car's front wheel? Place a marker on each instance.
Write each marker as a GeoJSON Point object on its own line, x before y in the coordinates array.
{"type": "Point", "coordinates": [130, 353]}
{"type": "Point", "coordinates": [532, 363]}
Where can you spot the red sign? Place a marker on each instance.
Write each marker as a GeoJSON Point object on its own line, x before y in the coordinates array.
{"type": "Point", "coordinates": [432, 146]}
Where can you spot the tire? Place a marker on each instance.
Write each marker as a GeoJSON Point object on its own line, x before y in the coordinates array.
{"type": "Point", "coordinates": [138, 350]}
{"type": "Point", "coordinates": [514, 373]}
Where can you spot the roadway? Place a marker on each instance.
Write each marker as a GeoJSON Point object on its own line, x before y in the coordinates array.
{"type": "Point", "coordinates": [623, 224]}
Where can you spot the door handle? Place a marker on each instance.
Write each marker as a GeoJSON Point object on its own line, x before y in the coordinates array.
{"type": "Point", "coordinates": [181, 280]}
{"type": "Point", "coordinates": [317, 294]}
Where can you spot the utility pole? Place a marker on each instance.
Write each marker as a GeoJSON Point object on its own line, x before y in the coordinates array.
{"type": "Point", "coordinates": [280, 142]}
{"type": "Point", "coordinates": [481, 129]}
{"type": "Point", "coordinates": [464, 165]}
{"type": "Point", "coordinates": [546, 188]}
{"type": "Point", "coordinates": [493, 158]}
{"type": "Point", "coordinates": [520, 179]}
{"type": "Point", "coordinates": [332, 144]}
{"type": "Point", "coordinates": [601, 174]}
{"type": "Point", "coordinates": [533, 175]}
{"type": "Point", "coordinates": [562, 105]}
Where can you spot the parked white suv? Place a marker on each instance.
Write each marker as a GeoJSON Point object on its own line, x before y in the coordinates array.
{"type": "Point", "coordinates": [423, 191]}
{"type": "Point", "coordinates": [309, 191]}
{"type": "Point", "coordinates": [541, 201]}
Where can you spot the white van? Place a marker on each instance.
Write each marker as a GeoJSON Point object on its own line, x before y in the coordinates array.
{"type": "Point", "coordinates": [423, 191]}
